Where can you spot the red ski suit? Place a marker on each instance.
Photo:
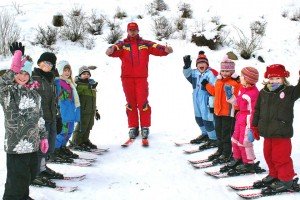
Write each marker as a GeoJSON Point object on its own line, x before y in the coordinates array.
{"type": "Point", "coordinates": [134, 53]}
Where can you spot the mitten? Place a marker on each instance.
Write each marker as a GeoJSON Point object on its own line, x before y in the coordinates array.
{"type": "Point", "coordinates": [17, 46]}
{"type": "Point", "coordinates": [204, 82]}
{"type": "Point", "coordinates": [44, 145]}
{"type": "Point", "coordinates": [255, 133]}
{"type": "Point", "coordinates": [97, 115]}
{"type": "Point", "coordinates": [187, 61]}
{"type": "Point", "coordinates": [17, 61]}
{"type": "Point", "coordinates": [250, 136]}
{"type": "Point", "coordinates": [228, 91]}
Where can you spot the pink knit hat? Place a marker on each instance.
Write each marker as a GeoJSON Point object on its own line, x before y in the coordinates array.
{"type": "Point", "coordinates": [227, 64]}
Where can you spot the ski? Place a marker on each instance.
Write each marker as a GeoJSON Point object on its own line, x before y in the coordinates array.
{"type": "Point", "coordinates": [242, 187]}
{"type": "Point", "coordinates": [66, 188]}
{"type": "Point", "coordinates": [199, 161]}
{"type": "Point", "coordinates": [75, 178]}
{"type": "Point", "coordinates": [87, 159]}
{"type": "Point", "coordinates": [128, 143]}
{"type": "Point", "coordinates": [103, 149]}
{"type": "Point", "coordinates": [255, 195]}
{"type": "Point", "coordinates": [191, 151]}
{"type": "Point", "coordinates": [179, 144]}
{"type": "Point", "coordinates": [77, 163]}
{"type": "Point", "coordinates": [218, 174]}
{"type": "Point", "coordinates": [203, 165]}
{"type": "Point", "coordinates": [145, 142]}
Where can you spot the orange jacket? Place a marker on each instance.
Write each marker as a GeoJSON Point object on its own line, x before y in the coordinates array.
{"type": "Point", "coordinates": [221, 106]}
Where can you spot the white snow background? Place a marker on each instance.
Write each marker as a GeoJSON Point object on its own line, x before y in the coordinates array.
{"type": "Point", "coordinates": [160, 171]}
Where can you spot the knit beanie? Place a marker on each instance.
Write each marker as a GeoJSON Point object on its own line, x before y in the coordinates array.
{"type": "Point", "coordinates": [61, 66]}
{"type": "Point", "coordinates": [250, 75]}
{"type": "Point", "coordinates": [227, 64]}
{"type": "Point", "coordinates": [48, 56]}
{"type": "Point", "coordinates": [276, 70]}
{"type": "Point", "coordinates": [27, 67]}
{"type": "Point", "coordinates": [132, 26]}
{"type": "Point", "coordinates": [84, 69]}
{"type": "Point", "coordinates": [202, 58]}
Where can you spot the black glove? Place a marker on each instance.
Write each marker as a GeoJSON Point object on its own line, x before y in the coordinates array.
{"type": "Point", "coordinates": [16, 46]}
{"type": "Point", "coordinates": [97, 115]}
{"type": "Point", "coordinates": [204, 82]}
{"type": "Point", "coordinates": [187, 61]}
{"type": "Point", "coordinates": [211, 110]}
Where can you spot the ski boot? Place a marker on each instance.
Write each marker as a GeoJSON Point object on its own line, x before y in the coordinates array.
{"type": "Point", "coordinates": [145, 132]}
{"type": "Point", "coordinates": [265, 182]}
{"type": "Point", "coordinates": [231, 165]}
{"type": "Point", "coordinates": [91, 145]}
{"type": "Point", "coordinates": [58, 157]}
{"type": "Point", "coordinates": [133, 132]}
{"type": "Point", "coordinates": [200, 139]}
{"type": "Point", "coordinates": [69, 154]}
{"type": "Point", "coordinates": [51, 174]}
{"type": "Point", "coordinates": [43, 181]}
{"type": "Point", "coordinates": [214, 156]}
{"type": "Point", "coordinates": [208, 145]}
{"type": "Point", "coordinates": [280, 186]}
{"type": "Point", "coordinates": [221, 160]}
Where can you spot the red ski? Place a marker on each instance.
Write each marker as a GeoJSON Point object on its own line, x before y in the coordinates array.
{"type": "Point", "coordinates": [128, 142]}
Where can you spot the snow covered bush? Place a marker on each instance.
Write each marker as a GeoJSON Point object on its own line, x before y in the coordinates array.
{"type": "Point", "coordinates": [120, 14]}
{"type": "Point", "coordinates": [156, 6]}
{"type": "Point", "coordinates": [95, 24]}
{"type": "Point", "coordinates": [186, 10]}
{"type": "Point", "coordinates": [46, 36]}
{"type": "Point", "coordinates": [162, 28]}
{"type": "Point", "coordinates": [115, 33]}
{"type": "Point", "coordinates": [9, 31]}
{"type": "Point", "coordinates": [258, 27]}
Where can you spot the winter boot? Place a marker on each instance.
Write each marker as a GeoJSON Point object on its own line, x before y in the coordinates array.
{"type": "Point", "coordinates": [265, 182]}
{"type": "Point", "coordinates": [200, 139]}
{"type": "Point", "coordinates": [133, 132]}
{"type": "Point", "coordinates": [58, 157]}
{"type": "Point", "coordinates": [278, 187]}
{"type": "Point", "coordinates": [214, 156]}
{"type": "Point", "coordinates": [90, 144]}
{"type": "Point", "coordinates": [242, 169]}
{"type": "Point", "coordinates": [68, 153]}
{"type": "Point", "coordinates": [145, 132]}
{"type": "Point", "coordinates": [43, 181]}
{"type": "Point", "coordinates": [82, 147]}
{"type": "Point", "coordinates": [208, 145]}
{"type": "Point", "coordinates": [231, 165]}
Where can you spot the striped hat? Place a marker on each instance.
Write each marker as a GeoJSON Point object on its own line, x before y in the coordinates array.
{"type": "Point", "coordinates": [250, 75]}
{"type": "Point", "coordinates": [202, 58]}
{"type": "Point", "coordinates": [227, 64]}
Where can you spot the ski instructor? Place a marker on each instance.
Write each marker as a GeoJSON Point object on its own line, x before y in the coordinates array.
{"type": "Point", "coordinates": [134, 53]}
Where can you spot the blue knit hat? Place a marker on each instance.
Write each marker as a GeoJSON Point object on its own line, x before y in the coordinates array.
{"type": "Point", "coordinates": [27, 67]}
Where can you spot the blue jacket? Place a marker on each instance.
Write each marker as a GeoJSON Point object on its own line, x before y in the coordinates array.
{"type": "Point", "coordinates": [66, 103]}
{"type": "Point", "coordinates": [202, 100]}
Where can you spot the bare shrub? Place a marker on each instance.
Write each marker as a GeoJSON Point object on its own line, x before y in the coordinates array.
{"type": "Point", "coordinates": [186, 10]}
{"type": "Point", "coordinates": [284, 13]}
{"type": "Point", "coordinates": [17, 8]}
{"type": "Point", "coordinates": [215, 20]}
{"type": "Point", "coordinates": [296, 15]}
{"type": "Point", "coordinates": [76, 26]}
{"type": "Point", "coordinates": [46, 36]}
{"type": "Point", "coordinates": [247, 45]}
{"type": "Point", "coordinates": [9, 32]}
{"type": "Point", "coordinates": [180, 24]}
{"type": "Point", "coordinates": [258, 27]}
{"type": "Point", "coordinates": [115, 33]}
{"type": "Point", "coordinates": [156, 6]}
{"type": "Point", "coordinates": [88, 43]}
{"type": "Point", "coordinates": [120, 14]}
{"type": "Point", "coordinates": [95, 24]}
{"type": "Point", "coordinates": [162, 28]}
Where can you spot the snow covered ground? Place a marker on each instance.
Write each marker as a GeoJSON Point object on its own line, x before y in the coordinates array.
{"type": "Point", "coordinates": [160, 171]}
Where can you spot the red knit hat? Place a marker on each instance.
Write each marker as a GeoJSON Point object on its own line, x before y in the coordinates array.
{"type": "Point", "coordinates": [132, 26]}
{"type": "Point", "coordinates": [250, 75]}
{"type": "Point", "coordinates": [276, 70]}
{"type": "Point", "coordinates": [202, 58]}
{"type": "Point", "coordinates": [227, 64]}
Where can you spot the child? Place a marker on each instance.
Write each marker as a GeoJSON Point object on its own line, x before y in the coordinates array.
{"type": "Point", "coordinates": [69, 109]}
{"type": "Point", "coordinates": [273, 119]}
{"type": "Point", "coordinates": [203, 115]}
{"type": "Point", "coordinates": [45, 77]}
{"type": "Point", "coordinates": [24, 126]}
{"type": "Point", "coordinates": [242, 139]}
{"type": "Point", "coordinates": [86, 89]}
{"type": "Point", "coordinates": [224, 111]}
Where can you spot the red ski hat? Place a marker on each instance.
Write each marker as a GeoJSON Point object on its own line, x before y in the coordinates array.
{"type": "Point", "coordinates": [132, 26]}
{"type": "Point", "coordinates": [276, 70]}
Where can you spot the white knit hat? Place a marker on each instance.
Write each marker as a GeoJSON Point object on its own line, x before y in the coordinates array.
{"type": "Point", "coordinates": [61, 65]}
{"type": "Point", "coordinates": [84, 69]}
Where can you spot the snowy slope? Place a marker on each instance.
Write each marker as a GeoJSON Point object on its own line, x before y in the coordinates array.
{"type": "Point", "coordinates": [160, 171]}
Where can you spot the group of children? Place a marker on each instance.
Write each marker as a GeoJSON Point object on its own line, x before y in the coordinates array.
{"type": "Point", "coordinates": [242, 113]}
{"type": "Point", "coordinates": [41, 107]}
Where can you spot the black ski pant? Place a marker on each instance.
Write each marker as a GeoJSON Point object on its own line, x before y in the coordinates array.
{"type": "Point", "coordinates": [224, 126]}
{"type": "Point", "coordinates": [21, 171]}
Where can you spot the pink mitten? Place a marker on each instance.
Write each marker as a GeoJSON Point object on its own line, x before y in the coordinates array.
{"type": "Point", "coordinates": [44, 145]}
{"type": "Point", "coordinates": [17, 62]}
